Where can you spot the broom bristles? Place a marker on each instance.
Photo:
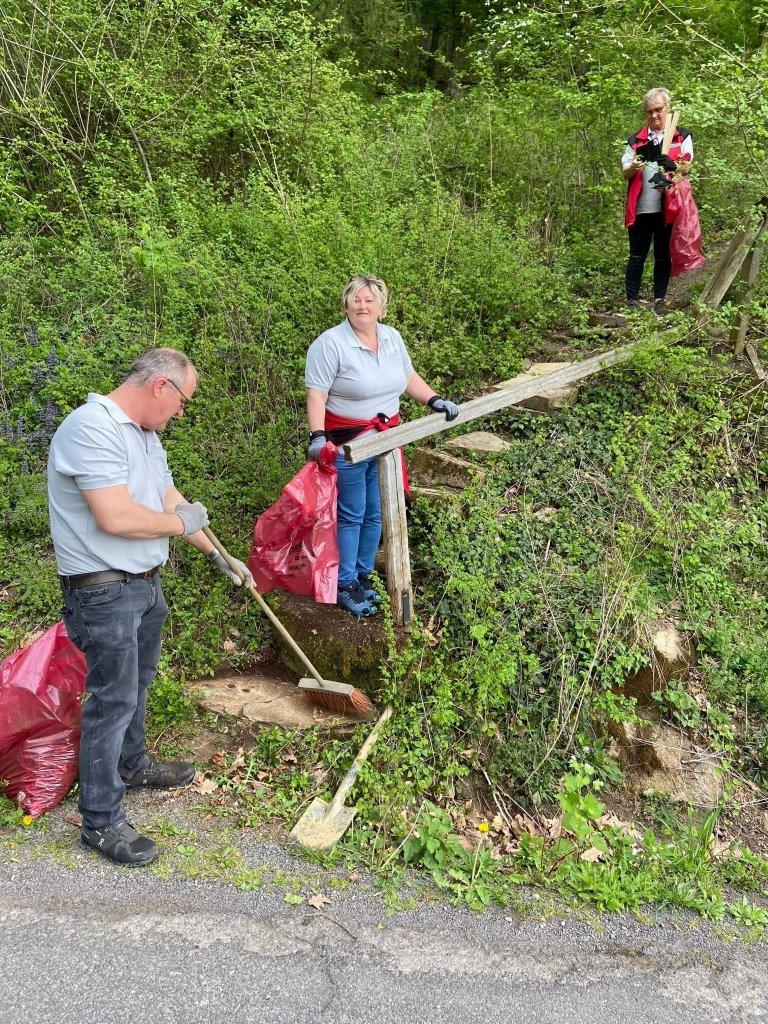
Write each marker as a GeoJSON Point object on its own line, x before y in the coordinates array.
{"type": "Point", "coordinates": [355, 703]}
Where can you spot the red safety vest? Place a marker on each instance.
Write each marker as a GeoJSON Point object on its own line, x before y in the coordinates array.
{"type": "Point", "coordinates": [636, 181]}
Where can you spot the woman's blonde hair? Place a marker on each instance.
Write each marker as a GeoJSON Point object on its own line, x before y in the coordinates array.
{"type": "Point", "coordinates": [378, 289]}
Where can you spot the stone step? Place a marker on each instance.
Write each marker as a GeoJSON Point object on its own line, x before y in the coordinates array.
{"type": "Point", "coordinates": [430, 468]}
{"type": "Point", "coordinates": [557, 398]}
{"type": "Point", "coordinates": [429, 494]}
{"type": "Point", "coordinates": [482, 442]}
{"type": "Point", "coordinates": [257, 699]}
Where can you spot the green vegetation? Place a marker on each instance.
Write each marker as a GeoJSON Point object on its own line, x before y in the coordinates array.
{"type": "Point", "coordinates": [206, 176]}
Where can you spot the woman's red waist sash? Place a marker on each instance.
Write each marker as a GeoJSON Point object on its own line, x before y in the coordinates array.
{"type": "Point", "coordinates": [342, 429]}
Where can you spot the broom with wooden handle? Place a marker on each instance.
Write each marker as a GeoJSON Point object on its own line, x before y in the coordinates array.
{"type": "Point", "coordinates": [340, 697]}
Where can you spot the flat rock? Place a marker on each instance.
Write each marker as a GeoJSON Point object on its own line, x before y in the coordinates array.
{"type": "Point", "coordinates": [258, 699]}
{"type": "Point", "coordinates": [547, 401]}
{"type": "Point", "coordinates": [481, 441]}
{"type": "Point", "coordinates": [430, 468]}
{"type": "Point", "coordinates": [610, 320]}
{"type": "Point", "coordinates": [427, 494]}
{"type": "Point", "coordinates": [660, 758]}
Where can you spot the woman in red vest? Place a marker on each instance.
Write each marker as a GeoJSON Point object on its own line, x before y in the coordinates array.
{"type": "Point", "coordinates": [355, 375]}
{"type": "Point", "coordinates": [644, 216]}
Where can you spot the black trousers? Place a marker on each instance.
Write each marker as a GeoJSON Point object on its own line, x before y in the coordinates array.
{"type": "Point", "coordinates": [647, 227]}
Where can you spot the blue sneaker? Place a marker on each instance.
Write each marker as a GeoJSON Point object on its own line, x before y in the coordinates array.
{"type": "Point", "coordinates": [352, 599]}
{"type": "Point", "coordinates": [369, 591]}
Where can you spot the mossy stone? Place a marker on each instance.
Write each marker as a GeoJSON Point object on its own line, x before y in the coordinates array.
{"type": "Point", "coordinates": [340, 647]}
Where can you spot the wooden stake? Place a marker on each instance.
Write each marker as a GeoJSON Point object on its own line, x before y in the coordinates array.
{"type": "Point", "coordinates": [395, 530]}
{"type": "Point", "coordinates": [754, 360]}
{"type": "Point", "coordinates": [749, 273]}
{"type": "Point", "coordinates": [742, 242]}
{"type": "Point", "coordinates": [670, 127]}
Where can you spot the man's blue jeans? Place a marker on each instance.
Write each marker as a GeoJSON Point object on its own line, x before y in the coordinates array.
{"type": "Point", "coordinates": [359, 517]}
{"type": "Point", "coordinates": [117, 626]}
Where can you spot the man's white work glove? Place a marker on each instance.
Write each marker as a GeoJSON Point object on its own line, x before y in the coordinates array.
{"type": "Point", "coordinates": [193, 515]}
{"type": "Point", "coordinates": [223, 568]}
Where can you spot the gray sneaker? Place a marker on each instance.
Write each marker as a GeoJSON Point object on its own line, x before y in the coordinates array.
{"type": "Point", "coordinates": [121, 843]}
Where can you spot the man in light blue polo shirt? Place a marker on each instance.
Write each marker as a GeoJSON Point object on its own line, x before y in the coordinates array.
{"type": "Point", "coordinates": [113, 506]}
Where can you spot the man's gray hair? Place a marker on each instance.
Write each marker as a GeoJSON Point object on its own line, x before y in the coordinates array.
{"type": "Point", "coordinates": [355, 284]}
{"type": "Point", "coordinates": [160, 362]}
{"type": "Point", "coordinates": [653, 94]}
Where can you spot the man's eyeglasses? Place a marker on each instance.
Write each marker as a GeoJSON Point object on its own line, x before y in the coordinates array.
{"type": "Point", "coordinates": [656, 110]}
{"type": "Point", "coordinates": [184, 400]}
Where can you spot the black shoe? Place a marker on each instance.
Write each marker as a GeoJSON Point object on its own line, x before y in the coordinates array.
{"type": "Point", "coordinates": [161, 776]}
{"type": "Point", "coordinates": [660, 307]}
{"type": "Point", "coordinates": [369, 591]}
{"type": "Point", "coordinates": [121, 843]}
{"type": "Point", "coordinates": [633, 305]}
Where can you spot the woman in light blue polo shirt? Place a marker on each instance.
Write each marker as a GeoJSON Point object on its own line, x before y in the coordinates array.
{"type": "Point", "coordinates": [355, 375]}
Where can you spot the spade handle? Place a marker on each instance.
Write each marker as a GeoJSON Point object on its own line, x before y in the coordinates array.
{"type": "Point", "coordinates": [349, 779]}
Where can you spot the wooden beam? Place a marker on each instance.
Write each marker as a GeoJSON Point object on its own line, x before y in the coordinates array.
{"type": "Point", "coordinates": [749, 271]}
{"type": "Point", "coordinates": [477, 408]}
{"type": "Point", "coordinates": [395, 531]}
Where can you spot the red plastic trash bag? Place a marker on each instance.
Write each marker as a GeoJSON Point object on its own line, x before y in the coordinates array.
{"type": "Point", "coordinates": [685, 242]}
{"type": "Point", "coordinates": [40, 696]}
{"type": "Point", "coordinates": [294, 542]}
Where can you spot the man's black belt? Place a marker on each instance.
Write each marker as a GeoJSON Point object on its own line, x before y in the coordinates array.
{"type": "Point", "coordinates": [92, 579]}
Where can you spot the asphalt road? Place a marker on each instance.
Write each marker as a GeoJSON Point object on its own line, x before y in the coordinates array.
{"type": "Point", "coordinates": [111, 945]}
{"type": "Point", "coordinates": [83, 941]}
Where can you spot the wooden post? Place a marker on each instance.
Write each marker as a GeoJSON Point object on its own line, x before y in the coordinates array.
{"type": "Point", "coordinates": [752, 226]}
{"type": "Point", "coordinates": [395, 531]}
{"type": "Point", "coordinates": [749, 272]}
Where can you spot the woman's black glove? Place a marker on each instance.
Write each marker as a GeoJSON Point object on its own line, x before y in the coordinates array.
{"type": "Point", "coordinates": [649, 151]}
{"type": "Point", "coordinates": [317, 441]}
{"type": "Point", "coordinates": [437, 404]}
{"type": "Point", "coordinates": [666, 162]}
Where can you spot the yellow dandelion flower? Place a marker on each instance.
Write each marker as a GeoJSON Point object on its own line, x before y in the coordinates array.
{"type": "Point", "coordinates": [27, 819]}
{"type": "Point", "coordinates": [483, 826]}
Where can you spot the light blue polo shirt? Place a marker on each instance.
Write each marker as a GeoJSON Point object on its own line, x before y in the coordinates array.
{"type": "Point", "coordinates": [98, 445]}
{"type": "Point", "coordinates": [359, 382]}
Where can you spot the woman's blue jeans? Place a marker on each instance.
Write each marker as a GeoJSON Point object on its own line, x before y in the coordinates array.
{"type": "Point", "coordinates": [117, 626]}
{"type": "Point", "coordinates": [359, 517]}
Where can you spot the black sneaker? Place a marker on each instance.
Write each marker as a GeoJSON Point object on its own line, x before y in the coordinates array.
{"type": "Point", "coordinates": [660, 307]}
{"type": "Point", "coordinates": [352, 599]}
{"type": "Point", "coordinates": [368, 589]}
{"type": "Point", "coordinates": [120, 843]}
{"type": "Point", "coordinates": [633, 305]}
{"type": "Point", "coordinates": [161, 776]}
